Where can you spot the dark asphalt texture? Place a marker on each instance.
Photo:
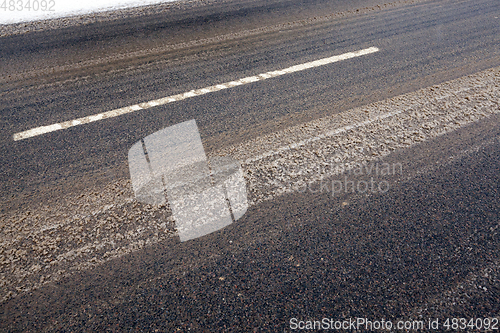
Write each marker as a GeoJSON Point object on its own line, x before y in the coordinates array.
{"type": "Point", "coordinates": [303, 256]}
{"type": "Point", "coordinates": [307, 256]}
{"type": "Point", "coordinates": [421, 45]}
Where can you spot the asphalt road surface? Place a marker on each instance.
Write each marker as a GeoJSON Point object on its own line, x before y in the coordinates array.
{"type": "Point", "coordinates": [78, 253]}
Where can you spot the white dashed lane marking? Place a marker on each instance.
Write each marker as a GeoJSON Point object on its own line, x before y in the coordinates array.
{"type": "Point", "coordinates": [197, 92]}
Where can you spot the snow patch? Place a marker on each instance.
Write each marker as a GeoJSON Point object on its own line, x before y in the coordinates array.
{"type": "Point", "coordinates": [24, 10]}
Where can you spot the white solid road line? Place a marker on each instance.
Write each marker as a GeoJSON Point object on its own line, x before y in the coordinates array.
{"type": "Point", "coordinates": [197, 92]}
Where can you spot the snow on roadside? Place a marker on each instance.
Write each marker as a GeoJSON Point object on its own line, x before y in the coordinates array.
{"type": "Point", "coordinates": [18, 11]}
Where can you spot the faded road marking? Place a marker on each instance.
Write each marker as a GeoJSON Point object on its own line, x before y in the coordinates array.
{"type": "Point", "coordinates": [197, 92]}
